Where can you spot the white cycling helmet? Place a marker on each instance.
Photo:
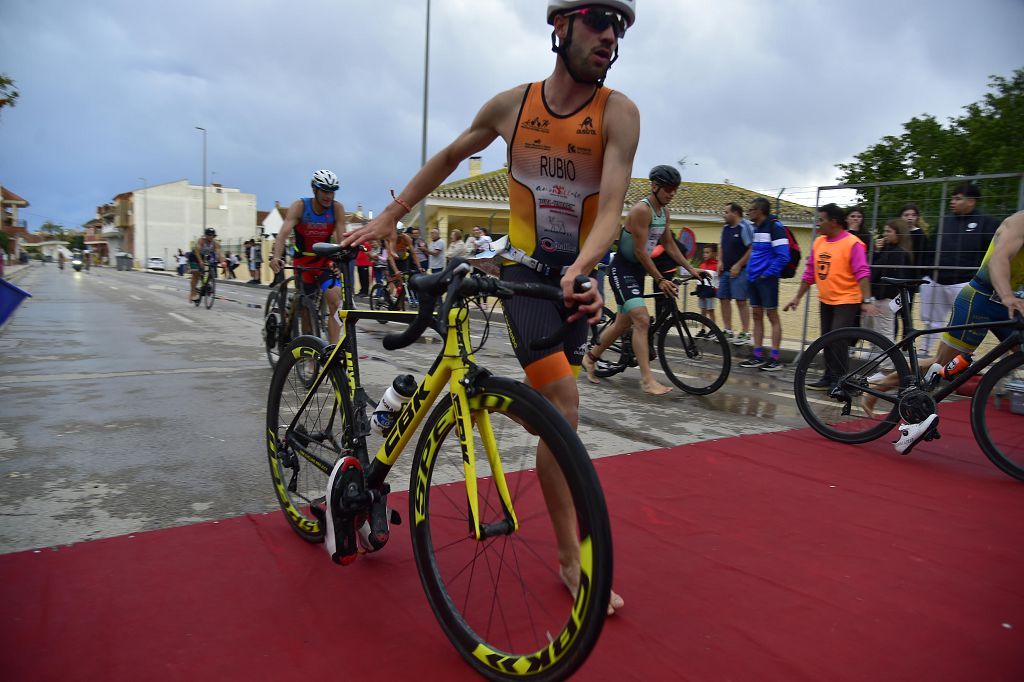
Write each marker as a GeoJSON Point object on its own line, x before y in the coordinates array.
{"type": "Point", "coordinates": [626, 7]}
{"type": "Point", "coordinates": [325, 180]}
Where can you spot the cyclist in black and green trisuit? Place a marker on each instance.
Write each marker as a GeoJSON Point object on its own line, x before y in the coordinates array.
{"type": "Point", "coordinates": [646, 227]}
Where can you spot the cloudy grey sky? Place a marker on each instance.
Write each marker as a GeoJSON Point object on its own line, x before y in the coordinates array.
{"type": "Point", "coordinates": [768, 94]}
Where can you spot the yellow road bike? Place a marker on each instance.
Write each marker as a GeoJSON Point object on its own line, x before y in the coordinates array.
{"type": "Point", "coordinates": [482, 535]}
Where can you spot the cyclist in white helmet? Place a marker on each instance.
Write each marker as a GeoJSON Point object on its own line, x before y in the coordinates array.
{"type": "Point", "coordinates": [571, 146]}
{"type": "Point", "coordinates": [315, 219]}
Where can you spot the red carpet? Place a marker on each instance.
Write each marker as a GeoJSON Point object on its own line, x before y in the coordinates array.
{"type": "Point", "coordinates": [772, 557]}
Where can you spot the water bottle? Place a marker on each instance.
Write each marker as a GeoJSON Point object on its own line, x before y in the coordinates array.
{"type": "Point", "coordinates": [957, 365]}
{"type": "Point", "coordinates": [387, 409]}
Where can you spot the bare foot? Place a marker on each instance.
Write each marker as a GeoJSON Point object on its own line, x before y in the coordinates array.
{"type": "Point", "coordinates": [590, 365]}
{"type": "Point", "coordinates": [571, 579]}
{"type": "Point", "coordinates": [652, 387]}
{"type": "Point", "coordinates": [867, 403]}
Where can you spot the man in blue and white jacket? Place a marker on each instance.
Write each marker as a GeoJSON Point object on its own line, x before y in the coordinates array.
{"type": "Point", "coordinates": [768, 255]}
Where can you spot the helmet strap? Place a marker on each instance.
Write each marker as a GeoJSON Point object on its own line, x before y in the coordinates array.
{"type": "Point", "coordinates": [563, 51]}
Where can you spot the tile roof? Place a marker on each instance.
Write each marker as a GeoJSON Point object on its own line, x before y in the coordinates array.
{"type": "Point", "coordinates": [11, 198]}
{"type": "Point", "coordinates": [693, 198]}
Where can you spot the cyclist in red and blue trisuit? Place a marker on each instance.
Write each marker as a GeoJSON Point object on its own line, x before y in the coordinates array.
{"type": "Point", "coordinates": [315, 219]}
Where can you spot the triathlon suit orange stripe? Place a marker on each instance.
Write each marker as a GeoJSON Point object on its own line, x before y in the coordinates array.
{"type": "Point", "coordinates": [555, 165]}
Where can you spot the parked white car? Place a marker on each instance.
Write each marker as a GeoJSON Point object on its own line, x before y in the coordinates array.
{"type": "Point", "coordinates": [155, 263]}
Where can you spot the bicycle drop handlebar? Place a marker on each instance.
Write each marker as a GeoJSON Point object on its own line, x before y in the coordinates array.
{"type": "Point", "coordinates": [457, 282]}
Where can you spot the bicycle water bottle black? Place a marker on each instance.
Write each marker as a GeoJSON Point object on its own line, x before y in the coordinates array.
{"type": "Point", "coordinates": [384, 415]}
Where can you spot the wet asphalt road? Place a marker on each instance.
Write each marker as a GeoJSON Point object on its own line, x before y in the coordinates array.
{"type": "Point", "coordinates": [123, 408]}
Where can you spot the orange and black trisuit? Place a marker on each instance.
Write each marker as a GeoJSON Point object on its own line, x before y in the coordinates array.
{"type": "Point", "coordinates": [555, 165]}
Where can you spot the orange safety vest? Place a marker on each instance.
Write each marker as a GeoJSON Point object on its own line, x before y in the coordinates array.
{"type": "Point", "coordinates": [832, 270]}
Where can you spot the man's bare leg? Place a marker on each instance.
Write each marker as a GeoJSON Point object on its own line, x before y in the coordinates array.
{"type": "Point", "coordinates": [892, 379]}
{"type": "Point", "coordinates": [564, 395]}
{"type": "Point", "coordinates": [744, 314]}
{"type": "Point", "coordinates": [727, 312]}
{"type": "Point", "coordinates": [641, 320]}
{"type": "Point", "coordinates": [608, 337]}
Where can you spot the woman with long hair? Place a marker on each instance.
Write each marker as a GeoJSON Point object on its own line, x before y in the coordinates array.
{"type": "Point", "coordinates": [892, 258]}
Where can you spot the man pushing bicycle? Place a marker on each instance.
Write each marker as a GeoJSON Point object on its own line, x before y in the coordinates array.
{"type": "Point", "coordinates": [571, 145]}
{"type": "Point", "coordinates": [646, 227]}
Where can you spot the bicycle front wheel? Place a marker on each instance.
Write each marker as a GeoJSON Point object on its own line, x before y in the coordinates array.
{"type": "Point", "coordinates": [301, 463]}
{"type": "Point", "coordinates": [208, 292]}
{"type": "Point", "coordinates": [997, 415]}
{"type": "Point", "coordinates": [273, 327]}
{"type": "Point", "coordinates": [501, 600]}
{"type": "Point", "coordinates": [697, 365]}
{"type": "Point", "coordinates": [837, 371]}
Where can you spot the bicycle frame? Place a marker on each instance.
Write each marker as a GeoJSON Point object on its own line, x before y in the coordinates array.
{"type": "Point", "coordinates": [1014, 340]}
{"type": "Point", "coordinates": [454, 368]}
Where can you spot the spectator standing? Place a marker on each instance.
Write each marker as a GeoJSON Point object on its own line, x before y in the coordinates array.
{"type": "Point", "coordinates": [182, 261]}
{"type": "Point", "coordinates": [838, 265]}
{"type": "Point", "coordinates": [380, 260]}
{"type": "Point", "coordinates": [920, 247]}
{"type": "Point", "coordinates": [706, 292]}
{"type": "Point", "coordinates": [737, 239]}
{"type": "Point", "coordinates": [419, 249]}
{"type": "Point", "coordinates": [456, 246]}
{"type": "Point", "coordinates": [892, 258]}
{"type": "Point", "coordinates": [435, 251]}
{"type": "Point", "coordinates": [855, 226]}
{"type": "Point", "coordinates": [768, 255]}
{"type": "Point", "coordinates": [363, 265]}
{"type": "Point", "coordinates": [961, 242]}
{"type": "Point", "coordinates": [479, 242]}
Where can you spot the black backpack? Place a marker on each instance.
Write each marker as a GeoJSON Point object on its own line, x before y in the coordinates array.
{"type": "Point", "coordinates": [789, 270]}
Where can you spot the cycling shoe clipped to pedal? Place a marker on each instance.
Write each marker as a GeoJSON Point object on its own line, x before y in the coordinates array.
{"type": "Point", "coordinates": [912, 434]}
{"type": "Point", "coordinates": [346, 482]}
{"type": "Point", "coordinates": [375, 531]}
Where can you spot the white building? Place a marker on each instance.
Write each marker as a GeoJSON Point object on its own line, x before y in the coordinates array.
{"type": "Point", "coordinates": [169, 217]}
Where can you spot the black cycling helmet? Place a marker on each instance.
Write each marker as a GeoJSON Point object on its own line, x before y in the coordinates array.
{"type": "Point", "coordinates": [210, 232]}
{"type": "Point", "coordinates": [666, 176]}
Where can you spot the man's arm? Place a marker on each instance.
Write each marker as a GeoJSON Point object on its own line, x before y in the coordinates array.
{"type": "Point", "coordinates": [622, 133]}
{"type": "Point", "coordinates": [672, 249]}
{"type": "Point", "coordinates": [484, 129]}
{"type": "Point", "coordinates": [1008, 240]}
{"type": "Point", "coordinates": [291, 219]}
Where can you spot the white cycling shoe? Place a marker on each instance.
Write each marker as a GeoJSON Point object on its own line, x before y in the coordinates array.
{"type": "Point", "coordinates": [912, 434]}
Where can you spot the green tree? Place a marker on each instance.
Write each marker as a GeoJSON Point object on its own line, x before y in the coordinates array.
{"type": "Point", "coordinates": [987, 138]}
{"type": "Point", "coordinates": [76, 241]}
{"type": "Point", "coordinates": [8, 93]}
{"type": "Point", "coordinates": [52, 230]}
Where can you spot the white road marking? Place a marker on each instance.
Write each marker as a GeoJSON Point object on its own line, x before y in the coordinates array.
{"type": "Point", "coordinates": [112, 287]}
{"type": "Point", "coordinates": [135, 297]}
{"type": "Point", "coordinates": [181, 318]}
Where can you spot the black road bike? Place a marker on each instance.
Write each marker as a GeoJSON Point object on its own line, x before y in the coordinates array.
{"type": "Point", "coordinates": [482, 537]}
{"type": "Point", "coordinates": [857, 358]}
{"type": "Point", "coordinates": [691, 348]}
{"type": "Point", "coordinates": [207, 285]}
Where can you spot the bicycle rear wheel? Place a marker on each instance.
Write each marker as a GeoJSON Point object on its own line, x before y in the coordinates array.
{"type": "Point", "coordinates": [697, 366]}
{"type": "Point", "coordinates": [830, 403]}
{"type": "Point", "coordinates": [997, 415]}
{"type": "Point", "coordinates": [619, 355]}
{"type": "Point", "coordinates": [500, 600]}
{"type": "Point", "coordinates": [301, 466]}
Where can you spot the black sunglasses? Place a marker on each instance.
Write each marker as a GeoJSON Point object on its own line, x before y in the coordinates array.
{"type": "Point", "coordinates": [598, 19]}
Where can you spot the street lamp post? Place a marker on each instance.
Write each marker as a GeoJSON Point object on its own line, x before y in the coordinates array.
{"type": "Point", "coordinates": [204, 177]}
{"type": "Point", "coordinates": [145, 224]}
{"type": "Point", "coordinates": [423, 143]}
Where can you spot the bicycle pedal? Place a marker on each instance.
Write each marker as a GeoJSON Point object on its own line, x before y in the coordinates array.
{"type": "Point", "coordinates": [934, 435]}
{"type": "Point", "coordinates": [396, 518]}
